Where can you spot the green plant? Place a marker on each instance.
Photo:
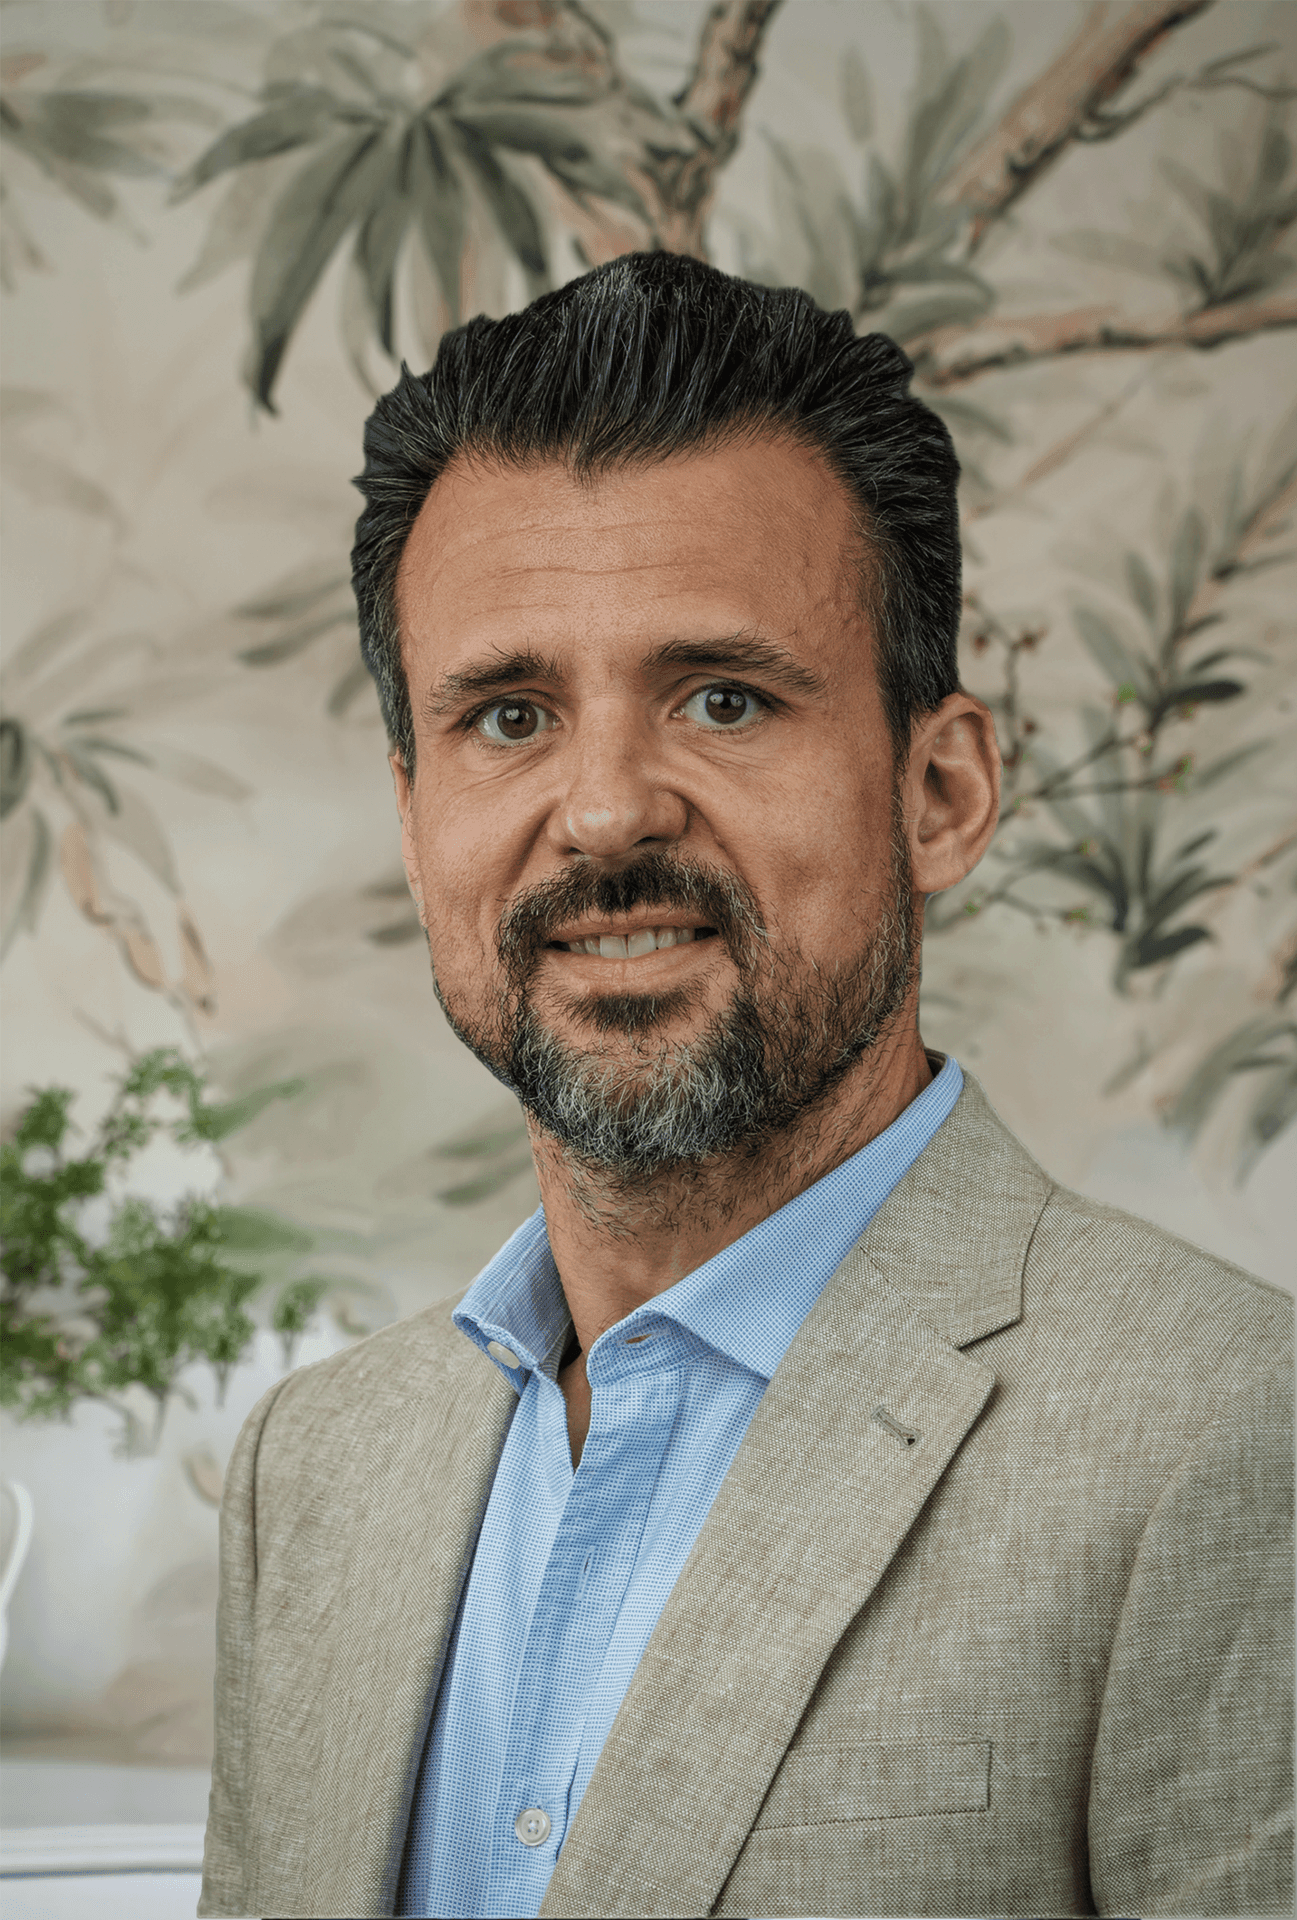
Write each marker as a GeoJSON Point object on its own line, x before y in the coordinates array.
{"type": "Point", "coordinates": [88, 1316]}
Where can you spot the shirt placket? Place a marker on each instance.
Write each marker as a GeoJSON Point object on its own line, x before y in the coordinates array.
{"type": "Point", "coordinates": [634, 1406]}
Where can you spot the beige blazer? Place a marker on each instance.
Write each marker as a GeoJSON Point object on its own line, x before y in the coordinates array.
{"type": "Point", "coordinates": [992, 1614]}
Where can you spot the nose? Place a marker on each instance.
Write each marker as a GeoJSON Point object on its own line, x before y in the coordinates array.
{"type": "Point", "coordinates": [618, 795]}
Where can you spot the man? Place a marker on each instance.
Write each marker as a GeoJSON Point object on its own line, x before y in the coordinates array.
{"type": "Point", "coordinates": [812, 1510]}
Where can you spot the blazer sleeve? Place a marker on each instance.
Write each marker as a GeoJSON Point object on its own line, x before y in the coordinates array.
{"type": "Point", "coordinates": [1191, 1785]}
{"type": "Point", "coordinates": [225, 1861]}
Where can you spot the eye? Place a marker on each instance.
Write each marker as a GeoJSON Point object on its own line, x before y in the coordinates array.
{"type": "Point", "coordinates": [513, 722]}
{"type": "Point", "coordinates": [723, 706]}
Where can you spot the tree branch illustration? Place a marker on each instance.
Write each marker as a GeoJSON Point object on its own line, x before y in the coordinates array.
{"type": "Point", "coordinates": [1060, 106]}
{"type": "Point", "coordinates": [711, 103]}
{"type": "Point", "coordinates": [950, 356]}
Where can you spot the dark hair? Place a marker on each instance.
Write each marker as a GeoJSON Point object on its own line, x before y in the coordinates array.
{"type": "Point", "coordinates": [656, 354]}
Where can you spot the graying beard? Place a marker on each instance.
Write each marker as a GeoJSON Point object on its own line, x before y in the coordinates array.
{"type": "Point", "coordinates": [745, 1080]}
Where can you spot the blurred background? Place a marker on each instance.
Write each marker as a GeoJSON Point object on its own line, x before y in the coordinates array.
{"type": "Point", "coordinates": [238, 1131]}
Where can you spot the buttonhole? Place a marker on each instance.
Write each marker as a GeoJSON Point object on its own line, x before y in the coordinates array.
{"type": "Point", "coordinates": [894, 1427]}
{"type": "Point", "coordinates": [634, 1339]}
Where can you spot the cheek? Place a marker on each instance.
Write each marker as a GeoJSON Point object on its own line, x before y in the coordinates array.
{"type": "Point", "coordinates": [821, 861]}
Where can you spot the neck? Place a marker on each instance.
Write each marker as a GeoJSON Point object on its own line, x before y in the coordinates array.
{"type": "Point", "coordinates": [618, 1245]}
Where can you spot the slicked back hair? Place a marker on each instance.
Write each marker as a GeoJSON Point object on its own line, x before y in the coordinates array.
{"type": "Point", "coordinates": [655, 355]}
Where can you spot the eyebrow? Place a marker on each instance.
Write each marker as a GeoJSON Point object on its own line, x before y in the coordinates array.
{"type": "Point", "coordinates": [743, 655]}
{"type": "Point", "coordinates": [502, 672]}
{"type": "Point", "coordinates": [497, 674]}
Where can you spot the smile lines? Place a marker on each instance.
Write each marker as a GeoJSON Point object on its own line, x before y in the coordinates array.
{"type": "Point", "coordinates": [614, 946]}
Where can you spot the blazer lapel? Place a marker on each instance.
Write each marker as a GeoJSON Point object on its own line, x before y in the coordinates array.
{"type": "Point", "coordinates": [405, 1538]}
{"type": "Point", "coordinates": [856, 1428]}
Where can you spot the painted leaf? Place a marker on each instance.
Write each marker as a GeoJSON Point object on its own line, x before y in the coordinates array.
{"type": "Point", "coordinates": [1143, 587]}
{"type": "Point", "coordinates": [254, 1230]}
{"type": "Point", "coordinates": [439, 209]}
{"type": "Point", "coordinates": [89, 772]}
{"type": "Point", "coordinates": [136, 827]}
{"type": "Point", "coordinates": [1193, 693]}
{"type": "Point", "coordinates": [306, 114]}
{"type": "Point", "coordinates": [379, 240]}
{"type": "Point", "coordinates": [908, 319]}
{"type": "Point", "coordinates": [269, 653]}
{"type": "Point", "coordinates": [573, 161]}
{"type": "Point", "coordinates": [197, 773]}
{"type": "Point", "coordinates": [512, 210]}
{"type": "Point", "coordinates": [15, 765]}
{"type": "Point", "coordinates": [1108, 650]}
{"type": "Point", "coordinates": [1149, 949]}
{"type": "Point", "coordinates": [75, 126]}
{"type": "Point", "coordinates": [293, 598]}
{"type": "Point", "coordinates": [514, 70]}
{"type": "Point", "coordinates": [1186, 887]}
{"type": "Point", "coordinates": [322, 203]}
{"type": "Point", "coordinates": [466, 1193]}
{"type": "Point", "coordinates": [26, 872]}
{"type": "Point", "coordinates": [347, 687]}
{"type": "Point", "coordinates": [1273, 1112]}
{"type": "Point", "coordinates": [217, 1120]}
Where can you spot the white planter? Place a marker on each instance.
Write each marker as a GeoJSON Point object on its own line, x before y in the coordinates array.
{"type": "Point", "coordinates": [112, 1620]}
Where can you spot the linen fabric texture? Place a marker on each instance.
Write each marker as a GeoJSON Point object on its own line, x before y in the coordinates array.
{"type": "Point", "coordinates": [571, 1571]}
{"type": "Point", "coordinates": [1036, 1660]}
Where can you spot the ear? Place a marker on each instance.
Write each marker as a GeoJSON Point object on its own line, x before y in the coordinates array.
{"type": "Point", "coordinates": [951, 791]}
{"type": "Point", "coordinates": [405, 807]}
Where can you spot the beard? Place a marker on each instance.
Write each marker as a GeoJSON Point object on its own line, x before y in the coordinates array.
{"type": "Point", "coordinates": [788, 1035]}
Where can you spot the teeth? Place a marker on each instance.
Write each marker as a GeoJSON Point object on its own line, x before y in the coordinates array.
{"type": "Point", "coordinates": [612, 946]}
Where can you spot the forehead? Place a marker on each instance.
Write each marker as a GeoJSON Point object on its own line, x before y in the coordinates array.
{"type": "Point", "coordinates": [756, 533]}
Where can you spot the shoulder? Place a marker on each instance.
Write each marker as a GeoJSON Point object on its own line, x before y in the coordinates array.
{"type": "Point", "coordinates": [1078, 1257]}
{"type": "Point", "coordinates": [328, 1408]}
{"type": "Point", "coordinates": [1149, 1284]}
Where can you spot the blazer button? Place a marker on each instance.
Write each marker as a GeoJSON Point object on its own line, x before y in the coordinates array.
{"type": "Point", "coordinates": [532, 1826]}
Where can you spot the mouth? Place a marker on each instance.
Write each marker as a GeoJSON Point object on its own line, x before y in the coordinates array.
{"type": "Point", "coordinates": [601, 942]}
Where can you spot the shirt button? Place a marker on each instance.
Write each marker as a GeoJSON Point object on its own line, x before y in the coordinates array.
{"type": "Point", "coordinates": [502, 1354]}
{"type": "Point", "coordinates": [532, 1826]}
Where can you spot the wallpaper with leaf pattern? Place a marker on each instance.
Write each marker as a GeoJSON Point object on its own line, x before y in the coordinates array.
{"type": "Point", "coordinates": [225, 224]}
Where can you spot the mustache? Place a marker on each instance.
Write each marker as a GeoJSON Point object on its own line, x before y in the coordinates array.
{"type": "Point", "coordinates": [654, 880]}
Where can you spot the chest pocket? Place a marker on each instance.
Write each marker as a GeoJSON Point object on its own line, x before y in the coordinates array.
{"type": "Point", "coordinates": [877, 1782]}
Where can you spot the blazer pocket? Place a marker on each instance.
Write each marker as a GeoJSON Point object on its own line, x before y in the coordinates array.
{"type": "Point", "coordinates": [877, 1782]}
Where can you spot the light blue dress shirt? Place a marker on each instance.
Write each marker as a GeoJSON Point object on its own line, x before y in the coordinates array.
{"type": "Point", "coordinates": [572, 1569]}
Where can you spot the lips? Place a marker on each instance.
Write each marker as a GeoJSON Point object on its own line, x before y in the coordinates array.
{"type": "Point", "coordinates": [615, 946]}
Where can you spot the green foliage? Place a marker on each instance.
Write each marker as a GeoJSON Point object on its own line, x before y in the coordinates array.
{"type": "Point", "coordinates": [384, 171]}
{"type": "Point", "coordinates": [74, 770]}
{"type": "Point", "coordinates": [496, 1152]}
{"type": "Point", "coordinates": [87, 1317]}
{"type": "Point", "coordinates": [295, 1306]}
{"type": "Point", "coordinates": [1242, 227]}
{"type": "Point", "coordinates": [1263, 1052]}
{"type": "Point", "coordinates": [894, 253]}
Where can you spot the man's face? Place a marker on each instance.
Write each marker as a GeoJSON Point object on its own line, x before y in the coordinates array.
{"type": "Point", "coordinates": [653, 826]}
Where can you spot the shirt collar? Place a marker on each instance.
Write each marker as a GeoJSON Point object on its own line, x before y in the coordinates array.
{"type": "Point", "coordinates": [748, 1300]}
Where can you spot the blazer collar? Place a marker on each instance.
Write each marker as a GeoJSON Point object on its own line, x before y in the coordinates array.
{"type": "Point", "coordinates": [859, 1423]}
{"type": "Point", "coordinates": [953, 1234]}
